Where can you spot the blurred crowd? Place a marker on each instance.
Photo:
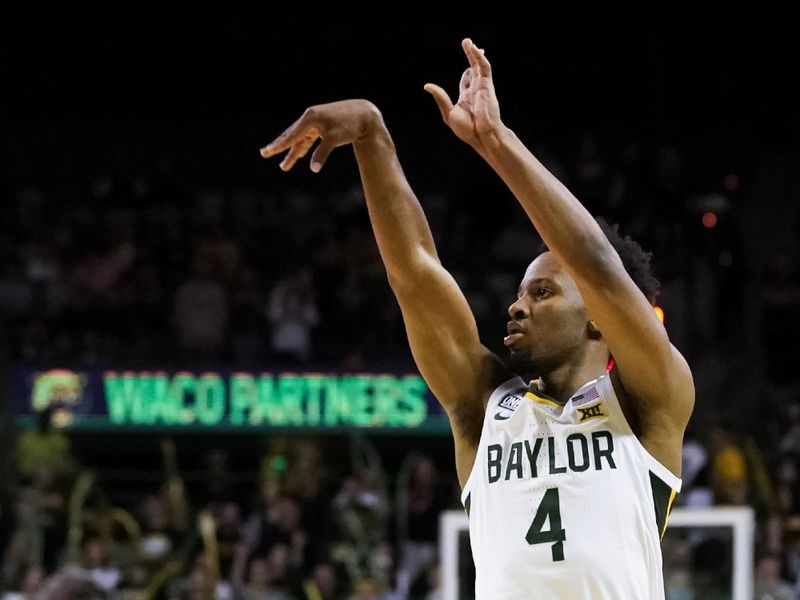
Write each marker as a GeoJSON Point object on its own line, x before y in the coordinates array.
{"type": "Point", "coordinates": [142, 270]}
{"type": "Point", "coordinates": [306, 524]}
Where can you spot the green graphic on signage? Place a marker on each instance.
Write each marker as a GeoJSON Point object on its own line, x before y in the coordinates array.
{"type": "Point", "coordinates": [249, 400]}
{"type": "Point", "coordinates": [57, 386]}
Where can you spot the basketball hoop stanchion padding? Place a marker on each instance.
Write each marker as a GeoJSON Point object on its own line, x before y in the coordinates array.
{"type": "Point", "coordinates": [741, 519]}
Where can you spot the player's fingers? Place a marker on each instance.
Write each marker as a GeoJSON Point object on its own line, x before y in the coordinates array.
{"type": "Point", "coordinates": [298, 151]}
{"type": "Point", "coordinates": [270, 149]}
{"type": "Point", "coordinates": [297, 131]}
{"type": "Point", "coordinates": [320, 156]}
{"type": "Point", "coordinates": [442, 99]}
{"type": "Point", "coordinates": [279, 144]}
{"type": "Point", "coordinates": [484, 66]}
{"type": "Point", "coordinates": [472, 52]}
{"type": "Point", "coordinates": [467, 45]}
{"type": "Point", "coordinates": [477, 58]}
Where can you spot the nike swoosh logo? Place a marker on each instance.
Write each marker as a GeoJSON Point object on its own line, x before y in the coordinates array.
{"type": "Point", "coordinates": [500, 417]}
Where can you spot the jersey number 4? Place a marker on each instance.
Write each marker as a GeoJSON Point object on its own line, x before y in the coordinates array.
{"type": "Point", "coordinates": [549, 511]}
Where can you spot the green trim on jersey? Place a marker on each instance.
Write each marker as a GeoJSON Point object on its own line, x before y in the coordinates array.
{"type": "Point", "coordinates": [535, 394]}
{"type": "Point", "coordinates": [663, 496]}
{"type": "Point", "coordinates": [468, 502]}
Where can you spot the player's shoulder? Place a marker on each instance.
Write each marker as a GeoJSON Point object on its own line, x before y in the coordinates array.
{"type": "Point", "coordinates": [672, 398]}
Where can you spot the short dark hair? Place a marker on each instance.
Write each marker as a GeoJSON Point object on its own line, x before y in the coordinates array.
{"type": "Point", "coordinates": [634, 258]}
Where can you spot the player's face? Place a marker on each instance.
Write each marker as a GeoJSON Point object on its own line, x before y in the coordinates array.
{"type": "Point", "coordinates": [549, 324]}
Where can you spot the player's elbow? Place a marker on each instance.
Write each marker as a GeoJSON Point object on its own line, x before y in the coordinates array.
{"type": "Point", "coordinates": [412, 274]}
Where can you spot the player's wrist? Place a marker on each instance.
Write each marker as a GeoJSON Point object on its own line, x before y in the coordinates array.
{"type": "Point", "coordinates": [494, 140]}
{"type": "Point", "coordinates": [372, 124]}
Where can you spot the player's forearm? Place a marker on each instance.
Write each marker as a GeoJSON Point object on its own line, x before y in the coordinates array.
{"type": "Point", "coordinates": [568, 229]}
{"type": "Point", "coordinates": [399, 224]}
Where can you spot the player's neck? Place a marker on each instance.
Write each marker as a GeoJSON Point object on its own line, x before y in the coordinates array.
{"type": "Point", "coordinates": [563, 381]}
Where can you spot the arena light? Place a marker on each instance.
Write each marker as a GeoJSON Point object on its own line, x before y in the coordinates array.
{"type": "Point", "coordinates": [731, 182]}
{"type": "Point", "coordinates": [659, 312]}
{"type": "Point", "coordinates": [709, 220]}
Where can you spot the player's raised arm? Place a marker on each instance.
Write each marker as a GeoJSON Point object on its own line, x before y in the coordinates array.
{"type": "Point", "coordinates": [651, 370]}
{"type": "Point", "coordinates": [441, 329]}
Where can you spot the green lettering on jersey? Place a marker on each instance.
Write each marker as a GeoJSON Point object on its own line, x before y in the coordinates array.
{"type": "Point", "coordinates": [533, 454]}
{"type": "Point", "coordinates": [514, 460]}
{"type": "Point", "coordinates": [551, 450]}
{"type": "Point", "coordinates": [495, 456]}
{"type": "Point", "coordinates": [584, 452]}
{"type": "Point", "coordinates": [603, 449]}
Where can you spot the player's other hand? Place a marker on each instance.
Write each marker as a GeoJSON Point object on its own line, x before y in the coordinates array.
{"type": "Point", "coordinates": [333, 124]}
{"type": "Point", "coordinates": [477, 112]}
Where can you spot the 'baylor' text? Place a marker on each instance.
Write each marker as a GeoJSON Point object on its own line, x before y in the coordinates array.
{"type": "Point", "coordinates": [525, 459]}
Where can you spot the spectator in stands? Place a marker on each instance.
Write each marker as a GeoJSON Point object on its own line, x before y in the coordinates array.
{"type": "Point", "coordinates": [161, 535]}
{"type": "Point", "coordinates": [419, 506]}
{"type": "Point", "coordinates": [303, 481]}
{"type": "Point", "coordinates": [695, 487]}
{"type": "Point", "coordinates": [324, 582]}
{"type": "Point", "coordinates": [249, 326]}
{"type": "Point", "coordinates": [96, 274]}
{"type": "Point", "coordinates": [787, 484]}
{"type": "Point", "coordinates": [790, 441]}
{"type": "Point", "coordinates": [44, 445]}
{"type": "Point", "coordinates": [780, 315]}
{"type": "Point", "coordinates": [729, 466]}
{"type": "Point", "coordinates": [201, 583]}
{"type": "Point", "coordinates": [216, 247]}
{"type": "Point", "coordinates": [40, 537]}
{"type": "Point", "coordinates": [360, 512]}
{"type": "Point", "coordinates": [434, 582]}
{"type": "Point", "coordinates": [277, 520]}
{"type": "Point", "coordinates": [70, 584]}
{"type": "Point", "coordinates": [97, 564]}
{"type": "Point", "coordinates": [201, 313]}
{"type": "Point", "coordinates": [23, 587]}
{"type": "Point", "coordinates": [678, 568]}
{"type": "Point", "coordinates": [257, 582]}
{"type": "Point", "coordinates": [293, 315]}
{"type": "Point", "coordinates": [770, 584]}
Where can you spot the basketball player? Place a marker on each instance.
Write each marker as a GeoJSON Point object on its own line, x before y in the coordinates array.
{"type": "Point", "coordinates": [567, 478]}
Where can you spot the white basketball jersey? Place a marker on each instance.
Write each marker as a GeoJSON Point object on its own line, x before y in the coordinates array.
{"type": "Point", "coordinates": [563, 501]}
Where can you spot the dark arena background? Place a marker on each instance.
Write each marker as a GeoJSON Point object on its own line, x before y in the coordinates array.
{"type": "Point", "coordinates": [206, 386]}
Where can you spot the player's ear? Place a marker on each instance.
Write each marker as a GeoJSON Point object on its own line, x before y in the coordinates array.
{"type": "Point", "coordinates": [592, 331]}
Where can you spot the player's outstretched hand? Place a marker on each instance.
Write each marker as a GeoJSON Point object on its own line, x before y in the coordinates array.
{"type": "Point", "coordinates": [334, 124]}
{"type": "Point", "coordinates": [477, 112]}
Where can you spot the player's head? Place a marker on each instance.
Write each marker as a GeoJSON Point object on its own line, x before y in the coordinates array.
{"type": "Point", "coordinates": [550, 314]}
